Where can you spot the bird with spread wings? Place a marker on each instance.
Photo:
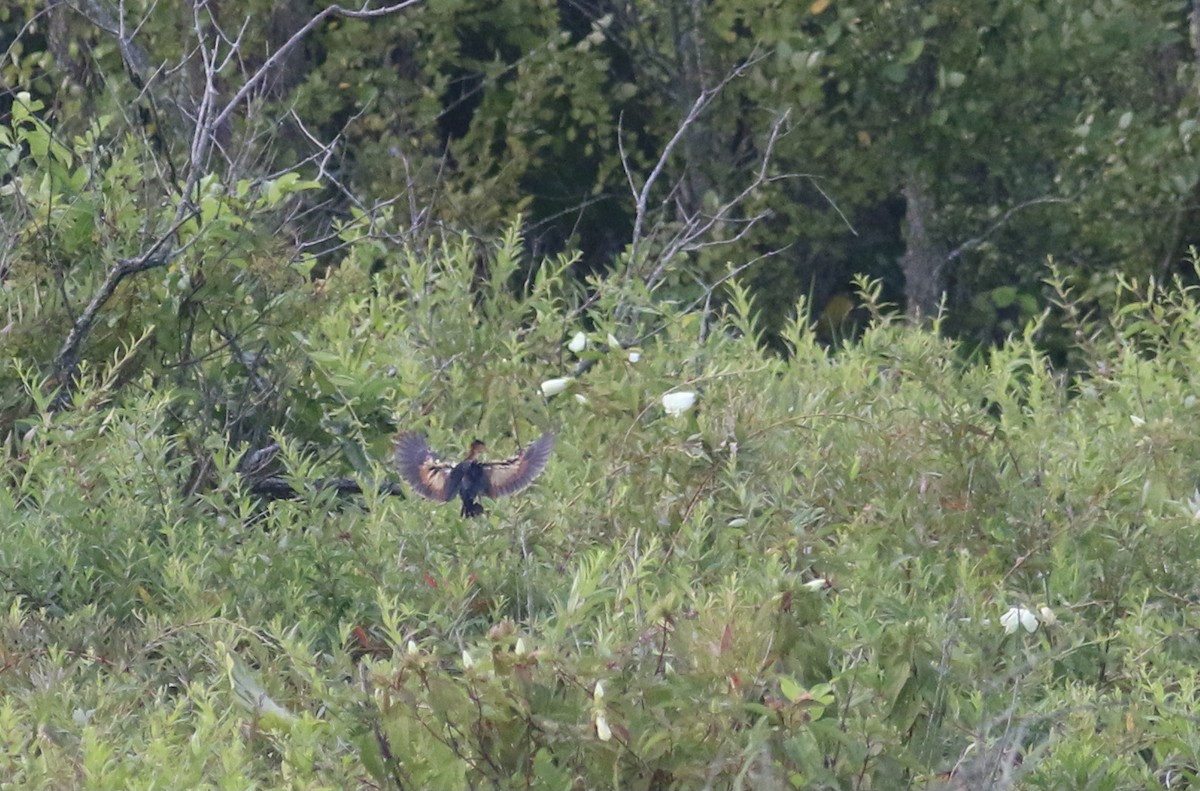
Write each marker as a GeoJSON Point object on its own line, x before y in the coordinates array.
{"type": "Point", "coordinates": [470, 478]}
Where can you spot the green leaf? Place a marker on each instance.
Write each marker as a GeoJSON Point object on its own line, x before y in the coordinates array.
{"type": "Point", "coordinates": [895, 72]}
{"type": "Point", "coordinates": [912, 51]}
{"type": "Point", "coordinates": [790, 689]}
{"type": "Point", "coordinates": [1004, 296]}
{"type": "Point", "coordinates": [38, 140]}
{"type": "Point", "coordinates": [250, 693]}
{"type": "Point", "coordinates": [287, 184]}
{"type": "Point", "coordinates": [1028, 304]}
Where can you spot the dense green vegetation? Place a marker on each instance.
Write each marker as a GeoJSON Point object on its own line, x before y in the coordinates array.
{"type": "Point", "coordinates": [801, 581]}
{"type": "Point", "coordinates": [958, 552]}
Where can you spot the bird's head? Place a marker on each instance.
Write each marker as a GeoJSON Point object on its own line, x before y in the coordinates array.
{"type": "Point", "coordinates": [477, 447]}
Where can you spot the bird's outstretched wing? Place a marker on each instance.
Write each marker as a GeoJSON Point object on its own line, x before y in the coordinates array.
{"type": "Point", "coordinates": [428, 475]}
{"type": "Point", "coordinates": [513, 475]}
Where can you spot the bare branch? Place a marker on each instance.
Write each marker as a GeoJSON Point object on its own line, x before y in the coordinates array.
{"type": "Point", "coordinates": [695, 229]}
{"type": "Point", "coordinates": [66, 362]}
{"type": "Point", "coordinates": [642, 196]}
{"type": "Point", "coordinates": [971, 244]}
{"type": "Point", "coordinates": [278, 55]}
{"type": "Point", "coordinates": [833, 203]}
{"type": "Point", "coordinates": [260, 472]}
{"type": "Point", "coordinates": [136, 60]}
{"type": "Point", "coordinates": [710, 289]}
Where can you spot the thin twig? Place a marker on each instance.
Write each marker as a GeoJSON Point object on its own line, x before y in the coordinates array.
{"type": "Point", "coordinates": [687, 239]}
{"type": "Point", "coordinates": [971, 244]}
{"type": "Point", "coordinates": [270, 63]}
{"type": "Point", "coordinates": [67, 359]}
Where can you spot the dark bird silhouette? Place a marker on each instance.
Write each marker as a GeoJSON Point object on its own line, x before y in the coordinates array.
{"type": "Point", "coordinates": [471, 478]}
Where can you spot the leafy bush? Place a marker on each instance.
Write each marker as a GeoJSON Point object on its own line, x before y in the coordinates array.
{"type": "Point", "coordinates": [807, 579]}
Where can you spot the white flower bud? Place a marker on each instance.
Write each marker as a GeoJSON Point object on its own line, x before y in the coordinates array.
{"type": "Point", "coordinates": [603, 732]}
{"type": "Point", "coordinates": [552, 387]}
{"type": "Point", "coordinates": [678, 403]}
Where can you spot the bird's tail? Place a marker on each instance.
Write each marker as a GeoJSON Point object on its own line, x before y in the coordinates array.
{"type": "Point", "coordinates": [471, 508]}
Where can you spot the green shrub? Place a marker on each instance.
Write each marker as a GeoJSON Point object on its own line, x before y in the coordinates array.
{"type": "Point", "coordinates": [801, 581]}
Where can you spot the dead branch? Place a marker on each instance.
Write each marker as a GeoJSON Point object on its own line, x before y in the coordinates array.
{"type": "Point", "coordinates": [695, 230]}
{"type": "Point", "coordinates": [641, 195]}
{"type": "Point", "coordinates": [270, 63]}
{"type": "Point", "coordinates": [209, 117]}
{"type": "Point", "coordinates": [66, 362]}
{"type": "Point", "coordinates": [278, 488]}
{"type": "Point", "coordinates": [697, 227]}
{"type": "Point", "coordinates": [971, 244]}
{"type": "Point", "coordinates": [135, 58]}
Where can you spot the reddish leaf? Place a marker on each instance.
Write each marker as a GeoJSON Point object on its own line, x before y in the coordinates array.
{"type": "Point", "coordinates": [727, 638]}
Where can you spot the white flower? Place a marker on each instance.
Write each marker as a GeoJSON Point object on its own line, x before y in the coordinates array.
{"type": "Point", "coordinates": [552, 387]}
{"type": "Point", "coordinates": [412, 648]}
{"type": "Point", "coordinates": [635, 356]}
{"type": "Point", "coordinates": [468, 661]}
{"type": "Point", "coordinates": [521, 649]}
{"type": "Point", "coordinates": [1194, 505]}
{"type": "Point", "coordinates": [598, 692]}
{"type": "Point", "coordinates": [1137, 421]}
{"type": "Point", "coordinates": [819, 584]}
{"type": "Point", "coordinates": [1047, 616]}
{"type": "Point", "coordinates": [578, 343]}
{"type": "Point", "coordinates": [738, 521]}
{"type": "Point", "coordinates": [613, 343]}
{"type": "Point", "coordinates": [1018, 617]}
{"type": "Point", "coordinates": [603, 732]}
{"type": "Point", "coordinates": [678, 403]}
{"type": "Point", "coordinates": [581, 398]}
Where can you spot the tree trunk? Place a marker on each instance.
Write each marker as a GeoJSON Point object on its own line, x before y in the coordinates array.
{"type": "Point", "coordinates": [690, 81]}
{"type": "Point", "coordinates": [924, 259]}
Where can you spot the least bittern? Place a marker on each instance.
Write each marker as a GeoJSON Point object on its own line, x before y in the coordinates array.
{"type": "Point", "coordinates": [471, 478]}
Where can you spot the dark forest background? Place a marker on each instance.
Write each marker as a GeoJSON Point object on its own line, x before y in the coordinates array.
{"type": "Point", "coordinates": [956, 151]}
